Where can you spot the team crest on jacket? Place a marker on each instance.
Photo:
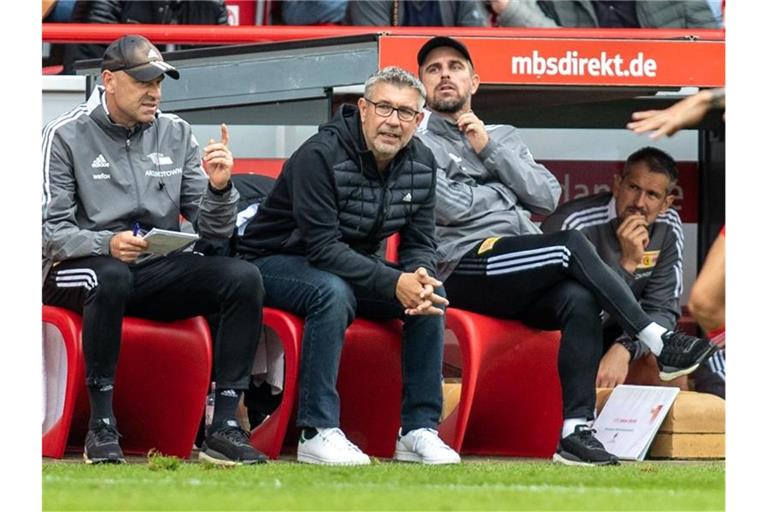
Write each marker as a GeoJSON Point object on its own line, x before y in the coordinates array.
{"type": "Point", "coordinates": [649, 260]}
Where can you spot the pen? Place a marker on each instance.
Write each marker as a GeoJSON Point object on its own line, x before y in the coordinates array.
{"type": "Point", "coordinates": [136, 228]}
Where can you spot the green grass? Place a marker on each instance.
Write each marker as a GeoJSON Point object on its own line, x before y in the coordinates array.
{"type": "Point", "coordinates": [478, 484]}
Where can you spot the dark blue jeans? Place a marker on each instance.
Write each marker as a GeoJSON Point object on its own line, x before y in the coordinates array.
{"type": "Point", "coordinates": [329, 304]}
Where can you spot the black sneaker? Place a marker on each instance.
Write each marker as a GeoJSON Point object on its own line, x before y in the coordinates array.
{"type": "Point", "coordinates": [230, 446]}
{"type": "Point", "coordinates": [583, 449]}
{"type": "Point", "coordinates": [682, 354]}
{"type": "Point", "coordinates": [101, 445]}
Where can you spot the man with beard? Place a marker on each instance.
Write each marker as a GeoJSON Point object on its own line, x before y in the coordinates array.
{"type": "Point", "coordinates": [315, 239]}
{"type": "Point", "coordinates": [494, 260]}
{"type": "Point", "coordinates": [640, 237]}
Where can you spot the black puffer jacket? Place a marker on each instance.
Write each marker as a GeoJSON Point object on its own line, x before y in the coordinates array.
{"type": "Point", "coordinates": [164, 12]}
{"type": "Point", "coordinates": [331, 204]}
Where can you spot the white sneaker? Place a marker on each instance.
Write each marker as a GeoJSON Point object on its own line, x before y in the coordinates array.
{"type": "Point", "coordinates": [330, 446]}
{"type": "Point", "coordinates": [424, 445]}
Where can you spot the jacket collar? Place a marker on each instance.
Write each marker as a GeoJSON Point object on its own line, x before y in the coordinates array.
{"type": "Point", "coordinates": [97, 107]}
{"type": "Point", "coordinates": [440, 125]}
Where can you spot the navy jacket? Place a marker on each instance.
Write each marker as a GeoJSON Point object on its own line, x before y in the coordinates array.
{"type": "Point", "coordinates": [331, 204]}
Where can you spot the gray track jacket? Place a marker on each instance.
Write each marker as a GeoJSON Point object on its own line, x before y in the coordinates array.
{"type": "Point", "coordinates": [658, 281]}
{"type": "Point", "coordinates": [99, 178]}
{"type": "Point", "coordinates": [482, 195]}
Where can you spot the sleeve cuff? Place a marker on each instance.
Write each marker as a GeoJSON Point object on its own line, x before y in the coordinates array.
{"type": "Point", "coordinates": [221, 192]}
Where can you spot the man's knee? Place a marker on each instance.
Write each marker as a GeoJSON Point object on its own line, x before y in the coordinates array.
{"type": "Point", "coordinates": [332, 293]}
{"type": "Point", "coordinates": [114, 280]}
{"type": "Point", "coordinates": [244, 279]}
{"type": "Point", "coordinates": [579, 301]}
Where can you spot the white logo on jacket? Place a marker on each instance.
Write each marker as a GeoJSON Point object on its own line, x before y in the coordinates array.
{"type": "Point", "coordinates": [160, 159]}
{"type": "Point", "coordinates": [99, 162]}
{"type": "Point", "coordinates": [102, 176]}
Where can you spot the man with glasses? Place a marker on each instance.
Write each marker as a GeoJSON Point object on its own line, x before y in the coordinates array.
{"type": "Point", "coordinates": [316, 240]}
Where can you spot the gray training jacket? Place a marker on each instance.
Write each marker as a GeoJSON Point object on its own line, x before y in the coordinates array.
{"type": "Point", "coordinates": [482, 195]}
{"type": "Point", "coordinates": [99, 178]}
{"type": "Point", "coordinates": [658, 281]}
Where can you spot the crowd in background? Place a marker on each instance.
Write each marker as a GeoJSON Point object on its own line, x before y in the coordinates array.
{"type": "Point", "coordinates": [409, 13]}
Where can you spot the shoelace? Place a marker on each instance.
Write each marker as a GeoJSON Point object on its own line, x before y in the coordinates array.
{"type": "Point", "coordinates": [335, 435]}
{"type": "Point", "coordinates": [586, 434]}
{"type": "Point", "coordinates": [428, 438]}
{"type": "Point", "coordinates": [105, 434]}
{"type": "Point", "coordinates": [236, 435]}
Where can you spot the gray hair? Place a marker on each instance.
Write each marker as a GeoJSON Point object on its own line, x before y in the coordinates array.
{"type": "Point", "coordinates": [400, 77]}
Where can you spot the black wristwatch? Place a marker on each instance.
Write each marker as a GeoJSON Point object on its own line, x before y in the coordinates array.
{"type": "Point", "coordinates": [630, 345]}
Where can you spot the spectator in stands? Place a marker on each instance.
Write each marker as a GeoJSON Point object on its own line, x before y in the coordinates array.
{"type": "Point", "coordinates": [630, 13]}
{"type": "Point", "coordinates": [494, 260]}
{"type": "Point", "coordinates": [518, 13]}
{"type": "Point", "coordinates": [313, 12]}
{"type": "Point", "coordinates": [114, 167]}
{"type": "Point", "coordinates": [315, 238]}
{"type": "Point", "coordinates": [707, 300]}
{"type": "Point", "coordinates": [417, 13]}
{"type": "Point", "coordinates": [640, 237]}
{"type": "Point", "coordinates": [164, 12]}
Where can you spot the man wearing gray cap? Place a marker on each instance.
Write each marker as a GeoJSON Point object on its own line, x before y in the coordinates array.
{"type": "Point", "coordinates": [115, 167]}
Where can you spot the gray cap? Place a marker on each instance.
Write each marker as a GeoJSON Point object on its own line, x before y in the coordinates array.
{"type": "Point", "coordinates": [138, 57]}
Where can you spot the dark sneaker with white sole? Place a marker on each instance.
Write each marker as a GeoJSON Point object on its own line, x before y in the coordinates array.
{"type": "Point", "coordinates": [582, 448]}
{"type": "Point", "coordinates": [230, 445]}
{"type": "Point", "coordinates": [682, 354]}
{"type": "Point", "coordinates": [101, 444]}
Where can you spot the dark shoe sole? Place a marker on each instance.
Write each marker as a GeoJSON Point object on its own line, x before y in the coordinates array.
{"type": "Point", "coordinates": [220, 459]}
{"type": "Point", "coordinates": [571, 460]}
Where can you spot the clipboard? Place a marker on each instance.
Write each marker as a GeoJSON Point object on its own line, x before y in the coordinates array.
{"type": "Point", "coordinates": [163, 242]}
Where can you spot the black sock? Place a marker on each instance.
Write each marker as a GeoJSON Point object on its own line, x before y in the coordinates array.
{"type": "Point", "coordinates": [101, 404]}
{"type": "Point", "coordinates": [309, 432]}
{"type": "Point", "coordinates": [225, 404]}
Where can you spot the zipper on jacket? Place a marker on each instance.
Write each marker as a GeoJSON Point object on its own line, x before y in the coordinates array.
{"type": "Point", "coordinates": [383, 210]}
{"type": "Point", "coordinates": [133, 173]}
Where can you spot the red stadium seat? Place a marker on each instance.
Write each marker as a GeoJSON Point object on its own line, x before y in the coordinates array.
{"type": "Point", "coordinates": [370, 385]}
{"type": "Point", "coordinates": [268, 437]}
{"type": "Point", "coordinates": [160, 388]}
{"type": "Point", "coordinates": [511, 403]}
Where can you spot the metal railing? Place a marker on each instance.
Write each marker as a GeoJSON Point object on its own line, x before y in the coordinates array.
{"type": "Point", "coordinates": [222, 34]}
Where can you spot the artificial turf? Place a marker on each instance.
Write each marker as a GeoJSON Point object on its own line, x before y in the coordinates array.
{"type": "Point", "coordinates": [477, 484]}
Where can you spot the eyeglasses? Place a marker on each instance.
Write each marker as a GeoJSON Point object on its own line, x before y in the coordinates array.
{"type": "Point", "coordinates": [385, 110]}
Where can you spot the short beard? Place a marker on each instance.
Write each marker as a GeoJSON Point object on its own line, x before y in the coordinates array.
{"type": "Point", "coordinates": [448, 106]}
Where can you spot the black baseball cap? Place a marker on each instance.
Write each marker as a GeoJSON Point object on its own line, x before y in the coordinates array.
{"type": "Point", "coordinates": [437, 42]}
{"type": "Point", "coordinates": [138, 57]}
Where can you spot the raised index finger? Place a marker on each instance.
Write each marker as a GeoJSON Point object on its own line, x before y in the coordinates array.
{"type": "Point", "coordinates": [224, 134]}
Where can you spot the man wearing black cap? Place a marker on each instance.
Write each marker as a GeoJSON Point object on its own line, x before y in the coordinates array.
{"type": "Point", "coordinates": [494, 260]}
{"type": "Point", "coordinates": [115, 167]}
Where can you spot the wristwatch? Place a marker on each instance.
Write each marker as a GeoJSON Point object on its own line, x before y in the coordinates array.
{"type": "Point", "coordinates": [630, 345]}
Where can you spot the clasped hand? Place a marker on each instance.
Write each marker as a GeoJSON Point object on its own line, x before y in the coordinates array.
{"type": "Point", "coordinates": [416, 292]}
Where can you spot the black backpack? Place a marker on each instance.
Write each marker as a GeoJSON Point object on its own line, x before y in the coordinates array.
{"type": "Point", "coordinates": [253, 189]}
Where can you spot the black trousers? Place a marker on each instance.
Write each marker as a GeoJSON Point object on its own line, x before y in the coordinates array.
{"type": "Point", "coordinates": [552, 281]}
{"type": "Point", "coordinates": [104, 289]}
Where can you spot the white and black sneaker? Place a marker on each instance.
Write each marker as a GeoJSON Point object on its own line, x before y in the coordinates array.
{"type": "Point", "coordinates": [101, 443]}
{"type": "Point", "coordinates": [425, 446]}
{"type": "Point", "coordinates": [582, 448]}
{"type": "Point", "coordinates": [230, 445]}
{"type": "Point", "coordinates": [682, 354]}
{"type": "Point", "coordinates": [329, 446]}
